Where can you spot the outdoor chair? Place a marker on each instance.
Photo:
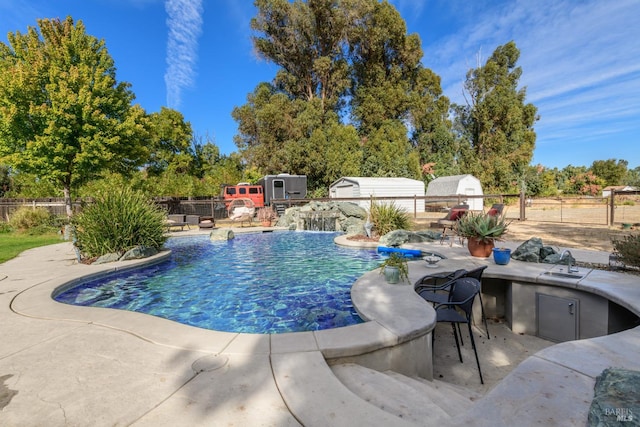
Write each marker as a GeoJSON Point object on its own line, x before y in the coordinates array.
{"type": "Point", "coordinates": [477, 274]}
{"type": "Point", "coordinates": [496, 209]}
{"type": "Point", "coordinates": [459, 310]}
{"type": "Point", "coordinates": [206, 222]}
{"type": "Point", "coordinates": [176, 220]}
{"type": "Point", "coordinates": [435, 288]}
{"type": "Point", "coordinates": [449, 222]}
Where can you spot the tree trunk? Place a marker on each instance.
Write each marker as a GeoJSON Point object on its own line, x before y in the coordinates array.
{"type": "Point", "coordinates": [67, 201]}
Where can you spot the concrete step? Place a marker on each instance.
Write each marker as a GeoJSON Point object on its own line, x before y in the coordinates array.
{"type": "Point", "coordinates": [451, 398]}
{"type": "Point", "coordinates": [405, 399]}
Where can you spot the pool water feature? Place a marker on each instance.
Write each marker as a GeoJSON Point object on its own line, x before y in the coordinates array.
{"type": "Point", "coordinates": [256, 283]}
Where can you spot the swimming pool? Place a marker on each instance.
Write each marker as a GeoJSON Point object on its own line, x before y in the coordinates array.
{"type": "Point", "coordinates": [256, 283]}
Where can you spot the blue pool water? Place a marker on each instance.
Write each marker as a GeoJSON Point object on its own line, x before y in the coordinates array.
{"type": "Point", "coordinates": [255, 283]}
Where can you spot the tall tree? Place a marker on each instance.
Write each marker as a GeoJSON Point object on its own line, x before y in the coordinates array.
{"type": "Point", "coordinates": [340, 60]}
{"type": "Point", "coordinates": [306, 39]}
{"type": "Point", "coordinates": [170, 141]}
{"type": "Point", "coordinates": [63, 115]}
{"type": "Point", "coordinates": [495, 123]}
{"type": "Point", "coordinates": [611, 172]}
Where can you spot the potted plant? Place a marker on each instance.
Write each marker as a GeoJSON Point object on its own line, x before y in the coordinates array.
{"type": "Point", "coordinates": [481, 230]}
{"type": "Point", "coordinates": [266, 215]}
{"type": "Point", "coordinates": [395, 268]}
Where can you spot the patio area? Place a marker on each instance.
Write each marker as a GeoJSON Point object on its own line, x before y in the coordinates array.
{"type": "Point", "coordinates": [67, 365]}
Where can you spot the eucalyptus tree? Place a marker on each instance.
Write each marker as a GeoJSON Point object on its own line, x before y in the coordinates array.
{"type": "Point", "coordinates": [345, 64]}
{"type": "Point", "coordinates": [63, 115]}
{"type": "Point", "coordinates": [496, 124]}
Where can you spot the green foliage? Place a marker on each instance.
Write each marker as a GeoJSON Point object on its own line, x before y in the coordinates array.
{"type": "Point", "coordinates": [482, 226]}
{"type": "Point", "coordinates": [5, 227]}
{"type": "Point", "coordinates": [387, 217]}
{"type": "Point", "coordinates": [26, 218]}
{"type": "Point", "coordinates": [628, 249]}
{"type": "Point", "coordinates": [27, 185]}
{"type": "Point", "coordinates": [342, 61]}
{"type": "Point", "coordinates": [117, 221]}
{"type": "Point", "coordinates": [585, 184]}
{"type": "Point", "coordinates": [633, 177]}
{"type": "Point", "coordinates": [170, 141]}
{"type": "Point", "coordinates": [611, 172]}
{"type": "Point", "coordinates": [66, 119]}
{"type": "Point", "coordinates": [398, 261]}
{"type": "Point", "coordinates": [496, 124]}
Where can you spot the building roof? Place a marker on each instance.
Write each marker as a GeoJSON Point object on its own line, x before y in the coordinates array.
{"type": "Point", "coordinates": [377, 180]}
{"type": "Point", "coordinates": [447, 185]}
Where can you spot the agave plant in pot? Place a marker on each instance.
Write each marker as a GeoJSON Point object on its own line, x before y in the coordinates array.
{"type": "Point", "coordinates": [481, 231]}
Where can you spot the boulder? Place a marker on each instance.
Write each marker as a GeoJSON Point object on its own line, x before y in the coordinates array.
{"type": "Point", "coordinates": [221, 234]}
{"type": "Point", "coordinates": [529, 251]}
{"type": "Point", "coordinates": [111, 257]}
{"type": "Point", "coordinates": [615, 400]}
{"type": "Point", "coordinates": [400, 237]}
{"type": "Point", "coordinates": [353, 226]}
{"type": "Point", "coordinates": [138, 252]}
{"type": "Point", "coordinates": [351, 210]}
{"type": "Point", "coordinates": [533, 250]}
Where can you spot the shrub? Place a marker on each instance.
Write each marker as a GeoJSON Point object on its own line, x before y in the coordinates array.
{"type": "Point", "coordinates": [26, 218]}
{"type": "Point", "coordinates": [118, 221]}
{"type": "Point", "coordinates": [5, 227]}
{"type": "Point", "coordinates": [628, 249]}
{"type": "Point", "coordinates": [388, 217]}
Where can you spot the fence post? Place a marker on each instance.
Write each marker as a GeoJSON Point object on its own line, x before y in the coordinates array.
{"type": "Point", "coordinates": [415, 207]}
{"type": "Point", "coordinates": [523, 215]}
{"type": "Point", "coordinates": [612, 205]}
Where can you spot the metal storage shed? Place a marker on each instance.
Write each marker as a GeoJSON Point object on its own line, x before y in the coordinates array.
{"type": "Point", "coordinates": [455, 185]}
{"type": "Point", "coordinates": [351, 186]}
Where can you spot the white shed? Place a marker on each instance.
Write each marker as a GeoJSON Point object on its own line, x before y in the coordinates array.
{"type": "Point", "coordinates": [351, 186]}
{"type": "Point", "coordinates": [456, 185]}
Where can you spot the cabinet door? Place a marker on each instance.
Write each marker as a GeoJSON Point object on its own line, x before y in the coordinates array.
{"type": "Point", "coordinates": [557, 318]}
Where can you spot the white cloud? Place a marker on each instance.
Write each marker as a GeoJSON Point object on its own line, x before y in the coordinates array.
{"type": "Point", "coordinates": [580, 62]}
{"type": "Point", "coordinates": [185, 26]}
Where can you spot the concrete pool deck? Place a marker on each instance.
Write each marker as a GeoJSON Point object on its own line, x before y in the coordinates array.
{"type": "Point", "coordinates": [67, 365]}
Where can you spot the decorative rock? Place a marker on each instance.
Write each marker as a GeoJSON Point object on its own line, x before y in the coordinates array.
{"type": "Point", "coordinates": [112, 257]}
{"type": "Point", "coordinates": [615, 400]}
{"type": "Point", "coordinates": [534, 251]}
{"type": "Point", "coordinates": [529, 251]}
{"type": "Point", "coordinates": [353, 226]}
{"type": "Point", "coordinates": [350, 216]}
{"type": "Point", "coordinates": [221, 234]}
{"type": "Point", "coordinates": [400, 237]}
{"type": "Point", "coordinates": [138, 252]}
{"type": "Point", "coordinates": [351, 210]}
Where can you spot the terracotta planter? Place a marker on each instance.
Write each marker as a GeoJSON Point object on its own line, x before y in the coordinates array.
{"type": "Point", "coordinates": [478, 248]}
{"type": "Point", "coordinates": [265, 223]}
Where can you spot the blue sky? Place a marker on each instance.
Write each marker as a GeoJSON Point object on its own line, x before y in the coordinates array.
{"type": "Point", "coordinates": [580, 60]}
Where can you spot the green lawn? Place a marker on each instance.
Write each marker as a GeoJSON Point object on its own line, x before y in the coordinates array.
{"type": "Point", "coordinates": [11, 244]}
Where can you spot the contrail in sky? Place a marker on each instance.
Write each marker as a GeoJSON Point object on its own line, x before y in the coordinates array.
{"type": "Point", "coordinates": [185, 25]}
